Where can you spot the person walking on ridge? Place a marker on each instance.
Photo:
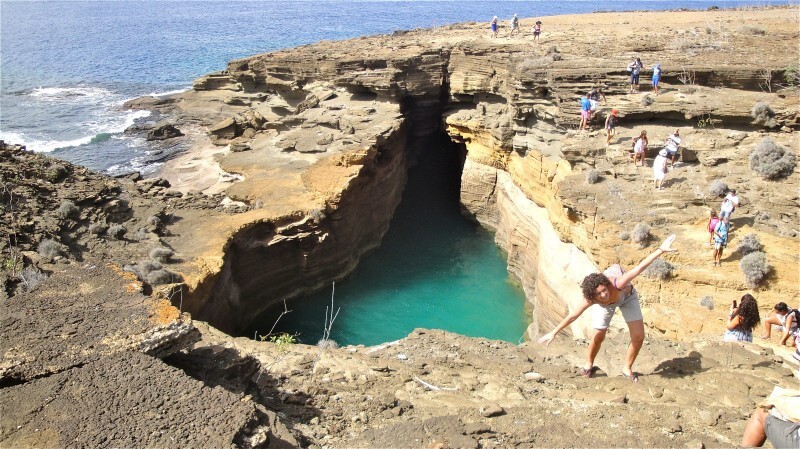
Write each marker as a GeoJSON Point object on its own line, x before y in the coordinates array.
{"type": "Point", "coordinates": [656, 77]}
{"type": "Point", "coordinates": [635, 68]}
{"type": "Point", "coordinates": [586, 112]}
{"type": "Point", "coordinates": [604, 293]}
{"type": "Point", "coordinates": [494, 26]}
{"type": "Point", "coordinates": [514, 26]}
{"type": "Point", "coordinates": [537, 30]}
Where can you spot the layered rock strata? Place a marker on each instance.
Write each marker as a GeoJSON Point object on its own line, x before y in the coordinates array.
{"type": "Point", "coordinates": [291, 122]}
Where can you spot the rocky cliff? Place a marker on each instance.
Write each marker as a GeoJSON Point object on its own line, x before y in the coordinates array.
{"type": "Point", "coordinates": [312, 130]}
{"type": "Point", "coordinates": [298, 159]}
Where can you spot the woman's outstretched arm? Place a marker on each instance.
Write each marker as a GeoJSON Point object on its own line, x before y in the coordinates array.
{"type": "Point", "coordinates": [547, 338]}
{"type": "Point", "coordinates": [666, 247]}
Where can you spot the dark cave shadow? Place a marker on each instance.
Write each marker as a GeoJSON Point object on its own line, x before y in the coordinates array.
{"type": "Point", "coordinates": [681, 366]}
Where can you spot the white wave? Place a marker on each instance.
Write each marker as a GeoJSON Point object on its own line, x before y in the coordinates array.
{"type": "Point", "coordinates": [43, 146]}
{"type": "Point", "coordinates": [70, 93]}
{"type": "Point", "coordinates": [167, 93]}
{"type": "Point", "coordinates": [119, 123]}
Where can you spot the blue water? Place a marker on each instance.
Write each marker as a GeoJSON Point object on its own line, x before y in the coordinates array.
{"type": "Point", "coordinates": [67, 66]}
{"type": "Point", "coordinates": [433, 270]}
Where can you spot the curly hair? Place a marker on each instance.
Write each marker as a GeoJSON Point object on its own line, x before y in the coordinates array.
{"type": "Point", "coordinates": [748, 310]}
{"type": "Point", "coordinates": [782, 307]}
{"type": "Point", "coordinates": [591, 282]}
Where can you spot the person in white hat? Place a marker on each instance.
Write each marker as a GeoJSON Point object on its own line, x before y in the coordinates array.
{"type": "Point", "coordinates": [514, 26]}
{"type": "Point", "coordinates": [660, 169]}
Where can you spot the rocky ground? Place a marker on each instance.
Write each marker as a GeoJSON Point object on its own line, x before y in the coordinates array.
{"type": "Point", "coordinates": [298, 159]}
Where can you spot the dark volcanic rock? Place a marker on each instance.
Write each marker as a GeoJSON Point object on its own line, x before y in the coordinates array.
{"type": "Point", "coordinates": [127, 400]}
{"type": "Point", "coordinates": [164, 132]}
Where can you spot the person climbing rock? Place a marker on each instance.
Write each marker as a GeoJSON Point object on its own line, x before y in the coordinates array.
{"type": "Point", "coordinates": [604, 293]}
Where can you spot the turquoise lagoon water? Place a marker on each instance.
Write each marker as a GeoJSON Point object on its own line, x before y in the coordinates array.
{"type": "Point", "coordinates": [434, 270]}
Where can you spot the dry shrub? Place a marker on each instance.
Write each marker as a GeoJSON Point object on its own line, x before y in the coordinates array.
{"type": "Point", "coordinates": [593, 176]}
{"type": "Point", "coordinates": [752, 30]}
{"type": "Point", "coordinates": [67, 209]}
{"type": "Point", "coordinates": [659, 269]}
{"type": "Point", "coordinates": [755, 268]}
{"type": "Point", "coordinates": [161, 254]}
{"type": "Point", "coordinates": [162, 276]}
{"type": "Point", "coordinates": [31, 279]}
{"type": "Point", "coordinates": [707, 302]}
{"type": "Point", "coordinates": [749, 244]}
{"type": "Point", "coordinates": [50, 249]}
{"type": "Point", "coordinates": [117, 231]}
{"type": "Point", "coordinates": [718, 188]}
{"type": "Point", "coordinates": [772, 161]}
{"type": "Point", "coordinates": [641, 234]}
{"type": "Point", "coordinates": [97, 228]}
{"type": "Point", "coordinates": [647, 100]}
{"type": "Point", "coordinates": [624, 235]}
{"type": "Point", "coordinates": [763, 114]}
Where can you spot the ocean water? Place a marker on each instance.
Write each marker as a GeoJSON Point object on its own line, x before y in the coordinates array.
{"type": "Point", "coordinates": [66, 67]}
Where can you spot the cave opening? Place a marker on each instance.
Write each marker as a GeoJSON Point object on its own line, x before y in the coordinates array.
{"type": "Point", "coordinates": [434, 269]}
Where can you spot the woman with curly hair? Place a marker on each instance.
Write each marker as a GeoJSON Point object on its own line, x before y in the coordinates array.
{"type": "Point", "coordinates": [604, 293]}
{"type": "Point", "coordinates": [742, 320]}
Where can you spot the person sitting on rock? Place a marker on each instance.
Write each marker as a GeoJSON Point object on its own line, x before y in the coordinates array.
{"type": "Point", "coordinates": [777, 419]}
{"type": "Point", "coordinates": [604, 293]}
{"type": "Point", "coordinates": [514, 26]}
{"type": "Point", "coordinates": [611, 125]}
{"type": "Point", "coordinates": [742, 319]}
{"type": "Point", "coordinates": [786, 319]}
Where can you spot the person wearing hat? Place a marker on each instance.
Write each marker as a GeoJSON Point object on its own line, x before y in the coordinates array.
{"type": "Point", "coordinates": [537, 30]}
{"type": "Point", "coordinates": [514, 26]}
{"type": "Point", "coordinates": [660, 169]}
{"type": "Point", "coordinates": [611, 125]}
{"type": "Point", "coordinates": [494, 26]}
{"type": "Point", "coordinates": [656, 77]}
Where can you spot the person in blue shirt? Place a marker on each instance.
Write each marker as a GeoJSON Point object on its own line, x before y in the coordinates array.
{"type": "Point", "coordinates": [586, 112]}
{"type": "Point", "coordinates": [656, 77]}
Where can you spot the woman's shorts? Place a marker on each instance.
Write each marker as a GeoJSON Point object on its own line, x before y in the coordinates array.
{"type": "Point", "coordinates": [781, 433]}
{"type": "Point", "coordinates": [536, 33]}
{"type": "Point", "coordinates": [634, 79]}
{"type": "Point", "coordinates": [720, 245]}
{"type": "Point", "coordinates": [655, 81]}
{"type": "Point", "coordinates": [584, 114]}
{"type": "Point", "coordinates": [494, 27]}
{"type": "Point", "coordinates": [631, 311]}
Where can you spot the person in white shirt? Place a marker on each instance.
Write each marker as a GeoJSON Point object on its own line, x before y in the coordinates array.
{"type": "Point", "coordinates": [673, 142]}
{"type": "Point", "coordinates": [729, 204]}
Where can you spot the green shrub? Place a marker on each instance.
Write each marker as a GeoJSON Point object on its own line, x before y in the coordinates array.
{"type": "Point", "coordinates": [55, 173]}
{"type": "Point", "coordinates": [772, 161]}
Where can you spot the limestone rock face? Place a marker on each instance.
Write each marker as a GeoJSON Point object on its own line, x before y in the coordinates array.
{"type": "Point", "coordinates": [320, 130]}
